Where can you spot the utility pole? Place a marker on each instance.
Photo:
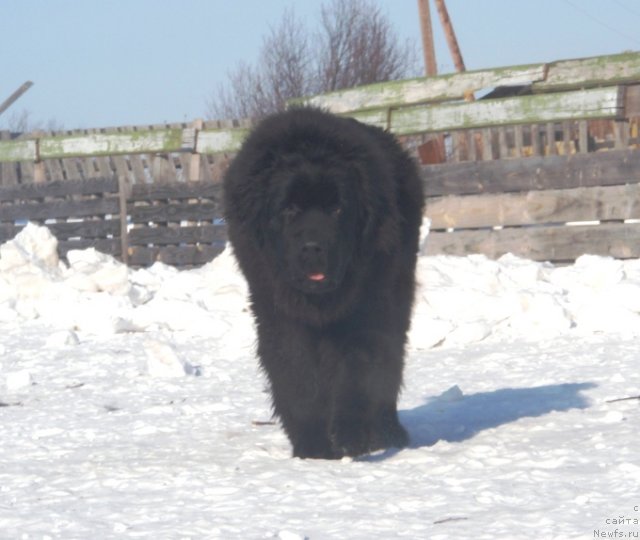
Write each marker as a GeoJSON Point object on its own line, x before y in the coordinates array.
{"type": "Point", "coordinates": [426, 30]}
{"type": "Point", "coordinates": [450, 35]}
{"type": "Point", "coordinates": [13, 97]}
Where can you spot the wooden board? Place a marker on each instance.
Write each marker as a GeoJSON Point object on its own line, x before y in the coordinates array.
{"type": "Point", "coordinates": [96, 186]}
{"type": "Point", "coordinates": [555, 76]}
{"type": "Point", "coordinates": [533, 173]}
{"type": "Point", "coordinates": [164, 235]}
{"type": "Point", "coordinates": [580, 104]}
{"type": "Point", "coordinates": [102, 144]}
{"type": "Point", "coordinates": [213, 141]}
{"type": "Point", "coordinates": [86, 231]}
{"type": "Point", "coordinates": [18, 150]}
{"type": "Point", "coordinates": [176, 191]}
{"type": "Point", "coordinates": [555, 243]}
{"type": "Point", "coordinates": [589, 72]}
{"type": "Point", "coordinates": [425, 89]}
{"type": "Point", "coordinates": [60, 209]}
{"type": "Point", "coordinates": [54, 147]}
{"type": "Point", "coordinates": [174, 212]}
{"type": "Point", "coordinates": [177, 256]}
{"type": "Point", "coordinates": [601, 203]}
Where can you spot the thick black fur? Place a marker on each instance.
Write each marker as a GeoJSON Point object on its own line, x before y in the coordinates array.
{"type": "Point", "coordinates": [323, 214]}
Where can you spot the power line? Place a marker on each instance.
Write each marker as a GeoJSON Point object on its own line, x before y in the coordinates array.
{"type": "Point", "coordinates": [602, 23]}
{"type": "Point", "coordinates": [627, 8]}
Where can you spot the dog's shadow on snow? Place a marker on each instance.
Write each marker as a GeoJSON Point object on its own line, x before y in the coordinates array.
{"type": "Point", "coordinates": [455, 417]}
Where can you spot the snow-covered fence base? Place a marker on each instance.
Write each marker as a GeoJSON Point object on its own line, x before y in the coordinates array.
{"type": "Point", "coordinates": [551, 208]}
{"type": "Point", "coordinates": [178, 224]}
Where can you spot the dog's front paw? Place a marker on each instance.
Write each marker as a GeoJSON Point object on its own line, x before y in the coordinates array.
{"type": "Point", "coordinates": [350, 437]}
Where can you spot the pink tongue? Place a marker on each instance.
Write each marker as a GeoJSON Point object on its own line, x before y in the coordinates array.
{"type": "Point", "coordinates": [316, 277]}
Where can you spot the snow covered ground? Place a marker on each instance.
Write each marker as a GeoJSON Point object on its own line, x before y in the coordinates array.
{"type": "Point", "coordinates": [131, 406]}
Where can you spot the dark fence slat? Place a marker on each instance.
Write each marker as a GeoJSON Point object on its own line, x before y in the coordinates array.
{"type": "Point", "coordinates": [88, 229]}
{"type": "Point", "coordinates": [174, 212]}
{"type": "Point", "coordinates": [533, 173]}
{"type": "Point", "coordinates": [176, 191]}
{"type": "Point", "coordinates": [177, 256]}
{"type": "Point", "coordinates": [556, 243]}
{"type": "Point", "coordinates": [59, 188]}
{"type": "Point", "coordinates": [60, 209]}
{"type": "Point", "coordinates": [206, 234]}
{"type": "Point", "coordinates": [602, 203]}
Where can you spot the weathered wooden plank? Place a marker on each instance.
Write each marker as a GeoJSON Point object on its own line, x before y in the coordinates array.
{"type": "Point", "coordinates": [556, 244]}
{"type": "Point", "coordinates": [121, 166]}
{"type": "Point", "coordinates": [87, 229]}
{"type": "Point", "coordinates": [583, 136]}
{"type": "Point", "coordinates": [103, 144]}
{"type": "Point", "coordinates": [212, 141]}
{"type": "Point", "coordinates": [556, 76]}
{"type": "Point", "coordinates": [425, 89]}
{"type": "Point", "coordinates": [96, 186]}
{"type": "Point", "coordinates": [518, 142]}
{"type": "Point", "coordinates": [535, 140]}
{"type": "Point", "coordinates": [621, 134]}
{"type": "Point", "coordinates": [71, 169]}
{"type": "Point", "coordinates": [550, 133]}
{"type": "Point", "coordinates": [527, 174]}
{"type": "Point", "coordinates": [487, 144]}
{"type": "Point", "coordinates": [176, 256]}
{"type": "Point", "coordinates": [587, 72]}
{"type": "Point", "coordinates": [204, 234]}
{"type": "Point", "coordinates": [54, 170]}
{"type": "Point", "coordinates": [103, 164]}
{"type": "Point", "coordinates": [18, 150]}
{"type": "Point", "coordinates": [632, 101]}
{"type": "Point", "coordinates": [535, 207]}
{"type": "Point", "coordinates": [8, 176]}
{"type": "Point", "coordinates": [94, 235]}
{"type": "Point", "coordinates": [175, 212]}
{"type": "Point", "coordinates": [580, 104]}
{"type": "Point", "coordinates": [60, 209]}
{"type": "Point", "coordinates": [178, 191]}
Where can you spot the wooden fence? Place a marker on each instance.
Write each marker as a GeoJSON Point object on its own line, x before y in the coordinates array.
{"type": "Point", "coordinates": [178, 224]}
{"type": "Point", "coordinates": [141, 154]}
{"type": "Point", "coordinates": [552, 208]}
{"type": "Point", "coordinates": [539, 160]}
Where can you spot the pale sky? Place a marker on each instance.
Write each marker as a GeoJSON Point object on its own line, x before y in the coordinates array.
{"type": "Point", "coordinates": [102, 63]}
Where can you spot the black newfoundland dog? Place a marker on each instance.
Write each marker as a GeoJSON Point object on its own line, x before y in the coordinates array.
{"type": "Point", "coordinates": [323, 214]}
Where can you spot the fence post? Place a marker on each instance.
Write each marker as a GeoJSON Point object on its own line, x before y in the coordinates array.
{"type": "Point", "coordinates": [39, 175]}
{"type": "Point", "coordinates": [194, 163]}
{"type": "Point", "coordinates": [124, 190]}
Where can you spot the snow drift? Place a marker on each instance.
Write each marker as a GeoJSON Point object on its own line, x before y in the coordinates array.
{"type": "Point", "coordinates": [131, 405]}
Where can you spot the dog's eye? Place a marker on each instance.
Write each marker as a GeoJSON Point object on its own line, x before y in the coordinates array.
{"type": "Point", "coordinates": [291, 211]}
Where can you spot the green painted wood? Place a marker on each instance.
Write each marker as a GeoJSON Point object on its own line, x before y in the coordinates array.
{"type": "Point", "coordinates": [560, 75]}
{"type": "Point", "coordinates": [131, 142]}
{"type": "Point", "coordinates": [401, 102]}
{"type": "Point", "coordinates": [211, 141]}
{"type": "Point", "coordinates": [590, 72]}
{"type": "Point", "coordinates": [533, 109]}
{"type": "Point", "coordinates": [103, 144]}
{"type": "Point", "coordinates": [425, 89]}
{"type": "Point", "coordinates": [17, 150]}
